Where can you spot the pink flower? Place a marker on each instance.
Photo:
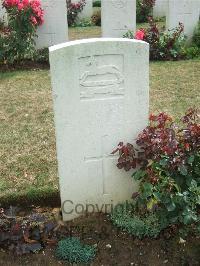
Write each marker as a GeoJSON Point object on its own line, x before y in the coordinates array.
{"type": "Point", "coordinates": [25, 3]}
{"type": "Point", "coordinates": [140, 34]}
{"type": "Point", "coordinates": [33, 8]}
{"type": "Point", "coordinates": [37, 11]}
{"type": "Point", "coordinates": [20, 6]}
{"type": "Point", "coordinates": [10, 3]}
{"type": "Point", "coordinates": [33, 20]}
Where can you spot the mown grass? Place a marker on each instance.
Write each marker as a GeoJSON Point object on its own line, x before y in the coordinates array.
{"type": "Point", "coordinates": [175, 86]}
{"type": "Point", "coordinates": [77, 33]}
{"type": "Point", "coordinates": [27, 138]}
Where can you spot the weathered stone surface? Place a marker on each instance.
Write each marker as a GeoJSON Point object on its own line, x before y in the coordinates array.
{"type": "Point", "coordinates": [3, 14]}
{"type": "Point", "coordinates": [55, 28]}
{"type": "Point", "coordinates": [101, 97]}
{"type": "Point", "coordinates": [160, 8]}
{"type": "Point", "coordinates": [184, 11]}
{"type": "Point", "coordinates": [117, 17]}
{"type": "Point", "coordinates": [87, 11]}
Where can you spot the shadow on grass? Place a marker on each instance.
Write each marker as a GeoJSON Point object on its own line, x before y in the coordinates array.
{"type": "Point", "coordinates": [44, 196]}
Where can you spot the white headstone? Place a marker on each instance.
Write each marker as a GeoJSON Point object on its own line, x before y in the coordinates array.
{"type": "Point", "coordinates": [100, 91]}
{"type": "Point", "coordinates": [117, 17]}
{"type": "Point", "coordinates": [55, 27]}
{"type": "Point", "coordinates": [184, 11]}
{"type": "Point", "coordinates": [160, 8]}
{"type": "Point", "coordinates": [87, 11]}
{"type": "Point", "coordinates": [3, 14]}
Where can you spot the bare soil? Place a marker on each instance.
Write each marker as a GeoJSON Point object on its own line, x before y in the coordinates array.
{"type": "Point", "coordinates": [115, 247]}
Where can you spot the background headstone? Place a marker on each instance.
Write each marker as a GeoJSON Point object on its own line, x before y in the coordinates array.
{"type": "Point", "coordinates": [160, 8]}
{"type": "Point", "coordinates": [184, 11]}
{"type": "Point", "coordinates": [3, 14]}
{"type": "Point", "coordinates": [100, 91]}
{"type": "Point", "coordinates": [87, 11]}
{"type": "Point", "coordinates": [55, 27]}
{"type": "Point", "coordinates": [117, 17]}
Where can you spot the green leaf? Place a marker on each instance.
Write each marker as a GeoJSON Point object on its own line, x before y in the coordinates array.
{"type": "Point", "coordinates": [177, 187]}
{"type": "Point", "coordinates": [139, 174]}
{"type": "Point", "coordinates": [189, 218]}
{"type": "Point", "coordinates": [191, 159]}
{"type": "Point", "coordinates": [183, 170]}
{"type": "Point", "coordinates": [171, 206]}
{"type": "Point", "coordinates": [194, 183]}
{"type": "Point", "coordinates": [164, 162]}
{"type": "Point", "coordinates": [189, 180]}
{"type": "Point", "coordinates": [148, 186]}
{"type": "Point", "coordinates": [157, 195]}
{"type": "Point", "coordinates": [147, 190]}
{"type": "Point", "coordinates": [151, 203]}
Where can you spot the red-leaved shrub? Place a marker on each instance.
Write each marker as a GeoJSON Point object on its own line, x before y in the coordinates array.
{"type": "Point", "coordinates": [164, 45]}
{"type": "Point", "coordinates": [166, 159]}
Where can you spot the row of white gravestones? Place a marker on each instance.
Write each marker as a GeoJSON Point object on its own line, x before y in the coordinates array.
{"type": "Point", "coordinates": [118, 16]}
{"type": "Point", "coordinates": [184, 11]}
{"type": "Point", "coordinates": [100, 92]}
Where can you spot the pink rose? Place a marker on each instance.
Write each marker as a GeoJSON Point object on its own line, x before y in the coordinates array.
{"type": "Point", "coordinates": [25, 3]}
{"type": "Point", "coordinates": [20, 6]}
{"type": "Point", "coordinates": [33, 20]}
{"type": "Point", "coordinates": [10, 3]}
{"type": "Point", "coordinates": [140, 35]}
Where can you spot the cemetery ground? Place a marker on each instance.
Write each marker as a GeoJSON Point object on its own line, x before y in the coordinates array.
{"type": "Point", "coordinates": [29, 169]}
{"type": "Point", "coordinates": [27, 139]}
{"type": "Point", "coordinates": [95, 31]}
{"type": "Point", "coordinates": [114, 247]}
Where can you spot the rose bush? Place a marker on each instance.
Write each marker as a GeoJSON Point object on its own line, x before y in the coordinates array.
{"type": "Point", "coordinates": [29, 11]}
{"type": "Point", "coordinates": [144, 9]}
{"type": "Point", "coordinates": [73, 9]}
{"type": "Point", "coordinates": [163, 45]}
{"type": "Point", "coordinates": [167, 163]}
{"type": "Point", "coordinates": [24, 18]}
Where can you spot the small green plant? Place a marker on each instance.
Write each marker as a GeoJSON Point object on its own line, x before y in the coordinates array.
{"type": "Point", "coordinates": [97, 3]}
{"type": "Point", "coordinates": [72, 250]}
{"type": "Point", "coordinates": [41, 55]}
{"type": "Point", "coordinates": [129, 34]}
{"type": "Point", "coordinates": [192, 52]}
{"type": "Point", "coordinates": [84, 23]}
{"type": "Point", "coordinates": [196, 36]}
{"type": "Point", "coordinates": [139, 225]}
{"type": "Point", "coordinates": [159, 19]}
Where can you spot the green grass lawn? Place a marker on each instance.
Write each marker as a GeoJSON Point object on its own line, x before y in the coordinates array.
{"type": "Point", "coordinates": [76, 33]}
{"type": "Point", "coordinates": [27, 138]}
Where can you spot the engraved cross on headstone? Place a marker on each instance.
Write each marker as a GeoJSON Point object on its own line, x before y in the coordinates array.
{"type": "Point", "coordinates": [102, 158]}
